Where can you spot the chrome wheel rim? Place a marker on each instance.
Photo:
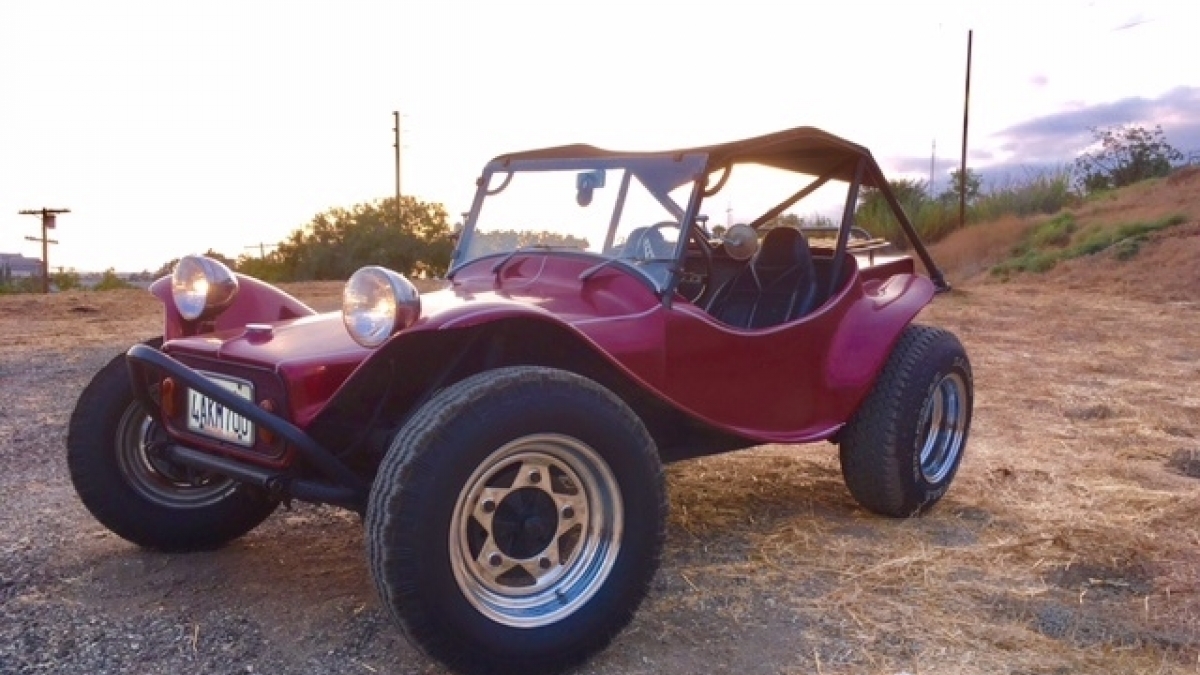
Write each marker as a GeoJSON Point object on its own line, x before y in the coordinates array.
{"type": "Point", "coordinates": [158, 480]}
{"type": "Point", "coordinates": [943, 428]}
{"type": "Point", "coordinates": [536, 530]}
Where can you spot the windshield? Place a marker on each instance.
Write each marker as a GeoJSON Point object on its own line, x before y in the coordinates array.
{"type": "Point", "coordinates": [625, 209]}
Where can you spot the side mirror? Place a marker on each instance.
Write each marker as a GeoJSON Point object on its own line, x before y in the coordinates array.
{"type": "Point", "coordinates": [741, 242]}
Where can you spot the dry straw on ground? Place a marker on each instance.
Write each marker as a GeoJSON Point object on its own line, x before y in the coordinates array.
{"type": "Point", "coordinates": [1070, 542]}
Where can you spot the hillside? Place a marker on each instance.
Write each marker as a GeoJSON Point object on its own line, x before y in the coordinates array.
{"type": "Point", "coordinates": [1142, 241]}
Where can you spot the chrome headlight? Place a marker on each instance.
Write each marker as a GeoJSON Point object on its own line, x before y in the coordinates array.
{"type": "Point", "coordinates": [378, 302]}
{"type": "Point", "coordinates": [202, 287]}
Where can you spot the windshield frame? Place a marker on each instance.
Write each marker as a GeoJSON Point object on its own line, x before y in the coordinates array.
{"type": "Point", "coordinates": [682, 169]}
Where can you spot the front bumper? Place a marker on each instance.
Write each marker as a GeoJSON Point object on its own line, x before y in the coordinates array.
{"type": "Point", "coordinates": [341, 485]}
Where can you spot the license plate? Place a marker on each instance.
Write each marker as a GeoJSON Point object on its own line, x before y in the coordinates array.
{"type": "Point", "coordinates": [209, 418]}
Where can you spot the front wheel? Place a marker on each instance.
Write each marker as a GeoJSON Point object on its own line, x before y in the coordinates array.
{"type": "Point", "coordinates": [139, 496]}
{"type": "Point", "coordinates": [516, 521]}
{"type": "Point", "coordinates": [902, 448]}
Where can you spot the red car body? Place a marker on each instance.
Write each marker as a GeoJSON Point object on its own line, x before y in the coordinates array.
{"type": "Point", "coordinates": [503, 437]}
{"type": "Point", "coordinates": [712, 386]}
{"type": "Point", "coordinates": [808, 376]}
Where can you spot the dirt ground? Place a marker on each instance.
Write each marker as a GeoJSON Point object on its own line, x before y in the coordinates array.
{"type": "Point", "coordinates": [1069, 543]}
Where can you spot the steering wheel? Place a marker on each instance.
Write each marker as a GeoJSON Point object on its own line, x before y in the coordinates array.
{"type": "Point", "coordinates": [696, 271]}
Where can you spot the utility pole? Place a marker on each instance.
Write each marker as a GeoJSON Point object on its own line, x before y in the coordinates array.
{"type": "Point", "coordinates": [962, 172]}
{"type": "Point", "coordinates": [932, 161]}
{"type": "Point", "coordinates": [49, 222]}
{"type": "Point", "coordinates": [396, 115]}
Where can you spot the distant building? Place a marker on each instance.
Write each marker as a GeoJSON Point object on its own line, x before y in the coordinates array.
{"type": "Point", "coordinates": [16, 266]}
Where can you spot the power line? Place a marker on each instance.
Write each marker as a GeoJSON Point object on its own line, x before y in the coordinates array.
{"type": "Point", "coordinates": [262, 248]}
{"type": "Point", "coordinates": [49, 222]}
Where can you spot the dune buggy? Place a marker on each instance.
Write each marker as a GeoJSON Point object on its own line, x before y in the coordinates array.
{"type": "Point", "coordinates": [504, 438]}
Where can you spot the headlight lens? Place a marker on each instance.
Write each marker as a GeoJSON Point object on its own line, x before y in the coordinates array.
{"type": "Point", "coordinates": [202, 287]}
{"type": "Point", "coordinates": [378, 302]}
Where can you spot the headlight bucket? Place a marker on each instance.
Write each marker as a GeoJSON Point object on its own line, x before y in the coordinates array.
{"type": "Point", "coordinates": [377, 303]}
{"type": "Point", "coordinates": [202, 287]}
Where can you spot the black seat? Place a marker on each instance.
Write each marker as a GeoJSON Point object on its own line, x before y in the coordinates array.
{"type": "Point", "coordinates": [778, 285]}
{"type": "Point", "coordinates": [645, 243]}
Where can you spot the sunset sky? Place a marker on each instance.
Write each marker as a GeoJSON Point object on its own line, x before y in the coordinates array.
{"type": "Point", "coordinates": [170, 128]}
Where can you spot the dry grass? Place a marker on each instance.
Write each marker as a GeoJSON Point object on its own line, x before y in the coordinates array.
{"type": "Point", "coordinates": [968, 252]}
{"type": "Point", "coordinates": [1070, 542]}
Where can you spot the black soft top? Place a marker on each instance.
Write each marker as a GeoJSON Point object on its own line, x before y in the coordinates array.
{"type": "Point", "coordinates": [803, 149]}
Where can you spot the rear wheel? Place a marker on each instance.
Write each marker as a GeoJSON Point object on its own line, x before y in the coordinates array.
{"type": "Point", "coordinates": [517, 521]}
{"type": "Point", "coordinates": [902, 448]}
{"type": "Point", "coordinates": [139, 496]}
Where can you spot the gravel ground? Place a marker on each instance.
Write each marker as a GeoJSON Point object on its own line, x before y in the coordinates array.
{"type": "Point", "coordinates": [1063, 546]}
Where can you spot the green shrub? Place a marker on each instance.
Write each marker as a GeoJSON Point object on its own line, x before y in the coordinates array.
{"type": "Point", "coordinates": [21, 285]}
{"type": "Point", "coordinates": [1125, 241]}
{"type": "Point", "coordinates": [1042, 193]}
{"type": "Point", "coordinates": [1054, 232]}
{"type": "Point", "coordinates": [111, 282]}
{"type": "Point", "coordinates": [66, 280]}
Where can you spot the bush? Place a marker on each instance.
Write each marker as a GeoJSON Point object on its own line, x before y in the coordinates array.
{"type": "Point", "coordinates": [1124, 155]}
{"type": "Point", "coordinates": [21, 285]}
{"type": "Point", "coordinates": [1054, 232]}
{"type": "Point", "coordinates": [65, 281]}
{"type": "Point", "coordinates": [1041, 193]}
{"type": "Point", "coordinates": [111, 282]}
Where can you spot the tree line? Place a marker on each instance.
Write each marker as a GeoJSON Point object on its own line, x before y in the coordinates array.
{"type": "Point", "coordinates": [410, 236]}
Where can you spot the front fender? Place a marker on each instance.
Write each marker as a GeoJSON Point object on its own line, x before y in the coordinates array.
{"type": "Point", "coordinates": [398, 377]}
{"type": "Point", "coordinates": [256, 302]}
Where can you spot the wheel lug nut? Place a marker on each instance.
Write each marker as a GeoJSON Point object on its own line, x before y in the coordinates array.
{"type": "Point", "coordinates": [495, 559]}
{"type": "Point", "coordinates": [568, 513]}
{"type": "Point", "coordinates": [535, 477]}
{"type": "Point", "coordinates": [544, 563]}
{"type": "Point", "coordinates": [489, 506]}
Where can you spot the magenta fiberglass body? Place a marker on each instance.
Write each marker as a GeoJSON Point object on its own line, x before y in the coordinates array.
{"type": "Point", "coordinates": [792, 383]}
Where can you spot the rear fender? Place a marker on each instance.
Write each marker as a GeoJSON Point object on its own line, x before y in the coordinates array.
{"type": "Point", "coordinates": [256, 302]}
{"type": "Point", "coordinates": [870, 329]}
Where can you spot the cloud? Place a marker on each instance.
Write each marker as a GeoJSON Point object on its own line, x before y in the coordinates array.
{"type": "Point", "coordinates": [1050, 143]}
{"type": "Point", "coordinates": [1133, 22]}
{"type": "Point", "coordinates": [1061, 136]}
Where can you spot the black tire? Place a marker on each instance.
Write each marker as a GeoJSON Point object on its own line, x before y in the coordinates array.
{"type": "Point", "coordinates": [902, 448]}
{"type": "Point", "coordinates": [143, 499]}
{"type": "Point", "coordinates": [490, 568]}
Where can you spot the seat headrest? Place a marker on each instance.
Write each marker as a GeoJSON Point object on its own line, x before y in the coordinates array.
{"type": "Point", "coordinates": [645, 243]}
{"type": "Point", "coordinates": [781, 247]}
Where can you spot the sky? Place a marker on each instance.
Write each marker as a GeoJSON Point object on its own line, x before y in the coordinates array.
{"type": "Point", "coordinates": [170, 128]}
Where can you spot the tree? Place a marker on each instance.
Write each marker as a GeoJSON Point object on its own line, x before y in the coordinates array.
{"type": "Point", "coordinates": [1122, 155]}
{"type": "Point", "coordinates": [874, 214]}
{"type": "Point", "coordinates": [953, 194]}
{"type": "Point", "coordinates": [500, 241]}
{"type": "Point", "coordinates": [268, 268]}
{"type": "Point", "coordinates": [413, 238]}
